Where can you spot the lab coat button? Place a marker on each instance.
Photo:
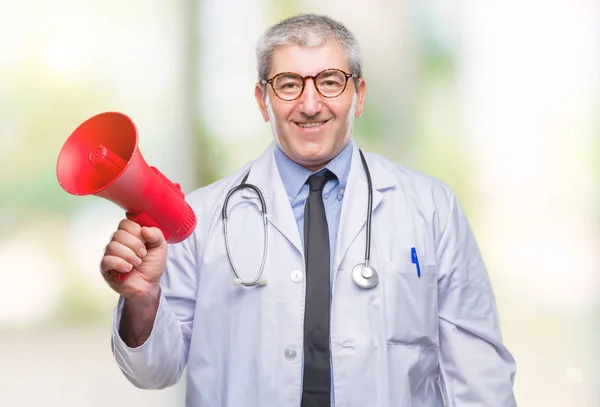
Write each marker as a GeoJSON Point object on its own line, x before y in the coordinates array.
{"type": "Point", "coordinates": [290, 353]}
{"type": "Point", "coordinates": [297, 276]}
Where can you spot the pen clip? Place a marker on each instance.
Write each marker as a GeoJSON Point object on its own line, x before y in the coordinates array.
{"type": "Point", "coordinates": [415, 260]}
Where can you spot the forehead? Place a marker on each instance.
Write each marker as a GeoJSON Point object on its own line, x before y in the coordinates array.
{"type": "Point", "coordinates": [308, 60]}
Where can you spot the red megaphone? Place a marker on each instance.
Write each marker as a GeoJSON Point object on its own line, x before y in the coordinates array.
{"type": "Point", "coordinates": [102, 158]}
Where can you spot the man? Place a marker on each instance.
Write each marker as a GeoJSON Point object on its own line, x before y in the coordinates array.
{"type": "Point", "coordinates": [416, 324]}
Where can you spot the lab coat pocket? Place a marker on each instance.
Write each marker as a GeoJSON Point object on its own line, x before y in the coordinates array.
{"type": "Point", "coordinates": [411, 304]}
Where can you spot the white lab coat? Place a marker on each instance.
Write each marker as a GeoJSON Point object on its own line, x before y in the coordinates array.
{"type": "Point", "coordinates": [429, 341]}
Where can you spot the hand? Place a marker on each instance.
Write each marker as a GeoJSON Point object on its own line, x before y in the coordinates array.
{"type": "Point", "coordinates": [139, 251]}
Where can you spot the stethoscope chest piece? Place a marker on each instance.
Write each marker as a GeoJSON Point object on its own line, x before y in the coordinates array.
{"type": "Point", "coordinates": [365, 276]}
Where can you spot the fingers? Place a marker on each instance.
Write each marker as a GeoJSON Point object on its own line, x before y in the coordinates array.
{"type": "Point", "coordinates": [113, 276]}
{"type": "Point", "coordinates": [153, 237]}
{"type": "Point", "coordinates": [125, 251]}
{"type": "Point", "coordinates": [133, 242]}
{"type": "Point", "coordinates": [119, 264]}
{"type": "Point", "coordinates": [130, 227]}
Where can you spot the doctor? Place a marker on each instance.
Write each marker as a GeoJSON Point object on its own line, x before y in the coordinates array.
{"type": "Point", "coordinates": [414, 324]}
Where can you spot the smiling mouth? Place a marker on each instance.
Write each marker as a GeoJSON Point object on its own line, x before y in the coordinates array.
{"type": "Point", "coordinates": [307, 125]}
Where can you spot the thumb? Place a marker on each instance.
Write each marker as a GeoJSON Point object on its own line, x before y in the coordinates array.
{"type": "Point", "coordinates": [154, 237]}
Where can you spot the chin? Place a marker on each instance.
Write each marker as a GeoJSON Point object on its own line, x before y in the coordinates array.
{"type": "Point", "coordinates": [313, 159]}
{"type": "Point", "coordinates": [313, 152]}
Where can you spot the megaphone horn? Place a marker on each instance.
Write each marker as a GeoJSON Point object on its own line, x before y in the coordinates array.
{"type": "Point", "coordinates": [101, 157]}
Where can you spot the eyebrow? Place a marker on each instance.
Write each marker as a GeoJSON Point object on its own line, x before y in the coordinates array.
{"type": "Point", "coordinates": [326, 74]}
{"type": "Point", "coordinates": [289, 74]}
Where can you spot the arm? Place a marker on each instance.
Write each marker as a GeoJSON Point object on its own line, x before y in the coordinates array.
{"type": "Point", "coordinates": [477, 369]}
{"type": "Point", "coordinates": [151, 331]}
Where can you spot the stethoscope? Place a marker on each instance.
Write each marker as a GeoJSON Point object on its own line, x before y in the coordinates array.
{"type": "Point", "coordinates": [363, 274]}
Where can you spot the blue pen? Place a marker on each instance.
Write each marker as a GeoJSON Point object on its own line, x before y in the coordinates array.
{"type": "Point", "coordinates": [415, 260]}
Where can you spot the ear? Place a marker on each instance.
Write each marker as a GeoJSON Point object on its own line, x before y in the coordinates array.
{"type": "Point", "coordinates": [260, 100]}
{"type": "Point", "coordinates": [360, 97]}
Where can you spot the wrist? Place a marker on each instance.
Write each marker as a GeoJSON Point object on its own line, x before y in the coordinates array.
{"type": "Point", "coordinates": [148, 298]}
{"type": "Point", "coordinates": [139, 314]}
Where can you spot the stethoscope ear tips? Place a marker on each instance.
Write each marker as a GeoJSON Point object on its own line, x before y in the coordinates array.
{"type": "Point", "coordinates": [237, 282]}
{"type": "Point", "coordinates": [262, 281]}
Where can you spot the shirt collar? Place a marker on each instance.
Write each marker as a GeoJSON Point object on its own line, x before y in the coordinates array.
{"type": "Point", "coordinates": [294, 175]}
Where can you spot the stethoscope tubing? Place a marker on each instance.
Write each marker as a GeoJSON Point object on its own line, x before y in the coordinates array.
{"type": "Point", "coordinates": [258, 280]}
{"type": "Point", "coordinates": [369, 209]}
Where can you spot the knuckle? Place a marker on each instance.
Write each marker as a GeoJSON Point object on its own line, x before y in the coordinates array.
{"type": "Point", "coordinates": [106, 264]}
{"type": "Point", "coordinates": [130, 226]}
{"type": "Point", "coordinates": [112, 247]}
{"type": "Point", "coordinates": [120, 235]}
{"type": "Point", "coordinates": [123, 224]}
{"type": "Point", "coordinates": [103, 267]}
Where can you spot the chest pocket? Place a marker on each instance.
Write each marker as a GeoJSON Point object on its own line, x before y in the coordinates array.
{"type": "Point", "coordinates": [411, 304]}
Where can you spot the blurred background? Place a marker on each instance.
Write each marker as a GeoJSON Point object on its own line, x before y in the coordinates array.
{"type": "Point", "coordinates": [499, 99]}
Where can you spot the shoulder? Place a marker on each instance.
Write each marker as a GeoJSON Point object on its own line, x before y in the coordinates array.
{"type": "Point", "coordinates": [204, 198]}
{"type": "Point", "coordinates": [411, 182]}
{"type": "Point", "coordinates": [426, 198]}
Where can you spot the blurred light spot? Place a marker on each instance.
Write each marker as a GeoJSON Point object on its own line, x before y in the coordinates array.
{"type": "Point", "coordinates": [63, 54]}
{"type": "Point", "coordinates": [574, 375]}
{"type": "Point", "coordinates": [14, 130]}
{"type": "Point", "coordinates": [90, 230]}
{"type": "Point", "coordinates": [32, 279]}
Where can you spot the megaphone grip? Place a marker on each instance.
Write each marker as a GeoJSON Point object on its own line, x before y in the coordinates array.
{"type": "Point", "coordinates": [119, 276]}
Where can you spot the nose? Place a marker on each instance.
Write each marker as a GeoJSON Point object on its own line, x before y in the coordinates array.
{"type": "Point", "coordinates": [310, 102]}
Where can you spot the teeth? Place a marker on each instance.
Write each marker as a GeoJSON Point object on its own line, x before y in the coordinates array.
{"type": "Point", "coordinates": [311, 124]}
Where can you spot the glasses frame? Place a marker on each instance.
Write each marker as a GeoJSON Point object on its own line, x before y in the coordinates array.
{"type": "Point", "coordinates": [313, 77]}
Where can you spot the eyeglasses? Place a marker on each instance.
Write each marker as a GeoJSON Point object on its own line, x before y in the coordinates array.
{"type": "Point", "coordinates": [330, 83]}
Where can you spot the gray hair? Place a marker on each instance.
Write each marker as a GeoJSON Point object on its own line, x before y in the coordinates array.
{"type": "Point", "coordinates": [307, 30]}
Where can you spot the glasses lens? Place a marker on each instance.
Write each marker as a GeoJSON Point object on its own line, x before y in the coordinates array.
{"type": "Point", "coordinates": [331, 83]}
{"type": "Point", "coordinates": [287, 85]}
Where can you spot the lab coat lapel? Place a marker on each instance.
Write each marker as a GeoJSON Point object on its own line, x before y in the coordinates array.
{"type": "Point", "coordinates": [265, 175]}
{"type": "Point", "coordinates": [354, 208]}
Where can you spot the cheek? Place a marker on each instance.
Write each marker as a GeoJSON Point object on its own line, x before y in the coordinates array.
{"type": "Point", "coordinates": [340, 110]}
{"type": "Point", "coordinates": [281, 112]}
